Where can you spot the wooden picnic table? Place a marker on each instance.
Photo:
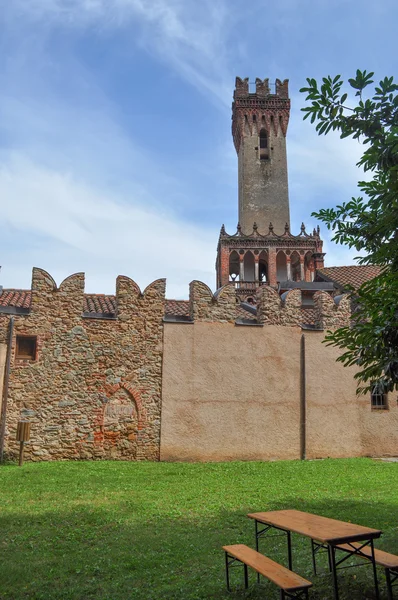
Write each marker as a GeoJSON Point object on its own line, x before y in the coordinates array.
{"type": "Point", "coordinates": [323, 532]}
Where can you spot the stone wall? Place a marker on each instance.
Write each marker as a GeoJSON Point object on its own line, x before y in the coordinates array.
{"type": "Point", "coordinates": [94, 389]}
{"type": "Point", "coordinates": [206, 306]}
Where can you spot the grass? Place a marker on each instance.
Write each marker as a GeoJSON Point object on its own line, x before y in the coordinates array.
{"type": "Point", "coordinates": [120, 530]}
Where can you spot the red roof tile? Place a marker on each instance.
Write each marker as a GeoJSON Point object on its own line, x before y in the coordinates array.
{"type": "Point", "coordinates": [177, 307]}
{"type": "Point", "coordinates": [104, 304]}
{"type": "Point", "coordinates": [354, 275]}
{"type": "Point", "coordinates": [19, 298]}
{"type": "Point", "coordinates": [99, 303]}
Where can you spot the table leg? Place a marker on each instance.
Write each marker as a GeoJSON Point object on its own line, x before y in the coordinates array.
{"type": "Point", "coordinates": [334, 571]}
{"type": "Point", "coordinates": [289, 549]}
{"type": "Point", "coordinates": [313, 556]}
{"type": "Point", "coordinates": [227, 571]}
{"type": "Point", "coordinates": [374, 570]}
{"type": "Point", "coordinates": [256, 526]}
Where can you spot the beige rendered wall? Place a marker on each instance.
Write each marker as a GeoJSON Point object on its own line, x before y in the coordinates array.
{"type": "Point", "coordinates": [340, 423]}
{"type": "Point", "coordinates": [230, 393]}
{"type": "Point", "coordinates": [233, 393]}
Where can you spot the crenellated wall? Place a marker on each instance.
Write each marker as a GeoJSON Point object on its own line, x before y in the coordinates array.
{"type": "Point", "coordinates": [272, 309]}
{"type": "Point", "coordinates": [206, 306]}
{"type": "Point", "coordinates": [94, 389]}
{"type": "Point", "coordinates": [234, 393]}
{"type": "Point", "coordinates": [331, 313]}
{"type": "Point", "coordinates": [135, 387]}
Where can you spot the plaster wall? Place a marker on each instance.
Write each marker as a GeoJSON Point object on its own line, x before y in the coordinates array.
{"type": "Point", "coordinates": [230, 393]}
{"type": "Point", "coordinates": [233, 393]}
{"type": "Point", "coordinates": [340, 423]}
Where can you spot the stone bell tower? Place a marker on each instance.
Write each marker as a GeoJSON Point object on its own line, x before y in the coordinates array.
{"type": "Point", "coordinates": [263, 251]}
{"type": "Point", "coordinates": [259, 126]}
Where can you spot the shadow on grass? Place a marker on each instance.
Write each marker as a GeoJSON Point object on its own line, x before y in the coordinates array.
{"type": "Point", "coordinates": [108, 554]}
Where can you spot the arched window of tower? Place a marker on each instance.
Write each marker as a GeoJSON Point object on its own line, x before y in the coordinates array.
{"type": "Point", "coordinates": [234, 266]}
{"type": "Point", "coordinates": [263, 267]}
{"type": "Point", "coordinates": [295, 266]}
{"type": "Point", "coordinates": [248, 267]}
{"type": "Point", "coordinates": [281, 266]}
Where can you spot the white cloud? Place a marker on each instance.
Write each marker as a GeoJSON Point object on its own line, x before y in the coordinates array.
{"type": "Point", "coordinates": [189, 35]}
{"type": "Point", "coordinates": [99, 232]}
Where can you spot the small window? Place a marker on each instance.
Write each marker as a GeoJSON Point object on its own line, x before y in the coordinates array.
{"type": "Point", "coordinates": [263, 145]}
{"type": "Point", "coordinates": [26, 347]}
{"type": "Point", "coordinates": [378, 399]}
{"type": "Point", "coordinates": [263, 139]}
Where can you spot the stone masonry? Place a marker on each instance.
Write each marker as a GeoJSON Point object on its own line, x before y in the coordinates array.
{"type": "Point", "coordinates": [94, 389]}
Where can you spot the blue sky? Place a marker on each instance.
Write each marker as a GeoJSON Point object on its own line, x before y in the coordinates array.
{"type": "Point", "coordinates": [116, 154]}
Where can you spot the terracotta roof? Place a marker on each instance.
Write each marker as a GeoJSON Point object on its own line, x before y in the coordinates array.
{"type": "Point", "coordinates": [103, 304]}
{"type": "Point", "coordinates": [354, 275]}
{"type": "Point", "coordinates": [177, 307]}
{"type": "Point", "coordinates": [18, 298]}
{"type": "Point", "coordinates": [99, 303]}
{"type": "Point", "coordinates": [308, 316]}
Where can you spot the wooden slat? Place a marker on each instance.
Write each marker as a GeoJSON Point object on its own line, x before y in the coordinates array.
{"type": "Point", "coordinates": [316, 527]}
{"type": "Point", "coordinates": [385, 559]}
{"type": "Point", "coordinates": [282, 577]}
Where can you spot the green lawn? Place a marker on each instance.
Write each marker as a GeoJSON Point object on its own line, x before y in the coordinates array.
{"type": "Point", "coordinates": [119, 530]}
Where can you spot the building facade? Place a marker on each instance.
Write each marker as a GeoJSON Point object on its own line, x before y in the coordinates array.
{"type": "Point", "coordinates": [240, 374]}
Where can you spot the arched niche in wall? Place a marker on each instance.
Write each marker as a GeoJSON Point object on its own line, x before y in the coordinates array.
{"type": "Point", "coordinates": [120, 426]}
{"type": "Point", "coordinates": [248, 266]}
{"type": "Point", "coordinates": [263, 266]}
{"type": "Point", "coordinates": [234, 266]}
{"type": "Point", "coordinates": [281, 266]}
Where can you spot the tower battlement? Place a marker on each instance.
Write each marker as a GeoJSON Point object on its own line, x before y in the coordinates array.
{"type": "Point", "coordinates": [263, 89]}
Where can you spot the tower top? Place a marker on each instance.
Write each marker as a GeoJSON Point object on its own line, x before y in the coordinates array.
{"type": "Point", "coordinates": [266, 109]}
{"type": "Point", "coordinates": [262, 88]}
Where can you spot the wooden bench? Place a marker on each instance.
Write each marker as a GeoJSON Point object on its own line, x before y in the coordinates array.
{"type": "Point", "coordinates": [290, 584]}
{"type": "Point", "coordinates": [388, 561]}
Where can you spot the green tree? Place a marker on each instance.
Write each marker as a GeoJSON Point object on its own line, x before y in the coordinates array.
{"type": "Point", "coordinates": [368, 223]}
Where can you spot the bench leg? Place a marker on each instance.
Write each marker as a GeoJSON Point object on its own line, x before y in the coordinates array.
{"type": "Point", "coordinates": [283, 595]}
{"type": "Point", "coordinates": [389, 584]}
{"type": "Point", "coordinates": [246, 576]}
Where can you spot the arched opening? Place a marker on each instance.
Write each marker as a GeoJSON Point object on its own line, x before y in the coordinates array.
{"type": "Point", "coordinates": [281, 266]}
{"type": "Point", "coordinates": [263, 144]}
{"type": "Point", "coordinates": [295, 266]}
{"type": "Point", "coordinates": [248, 267]}
{"type": "Point", "coordinates": [309, 267]}
{"type": "Point", "coordinates": [263, 267]}
{"type": "Point", "coordinates": [234, 266]}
